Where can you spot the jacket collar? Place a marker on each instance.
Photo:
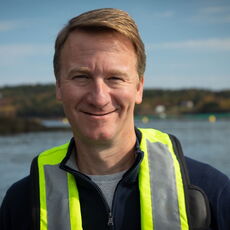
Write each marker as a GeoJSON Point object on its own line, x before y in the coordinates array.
{"type": "Point", "coordinates": [68, 163]}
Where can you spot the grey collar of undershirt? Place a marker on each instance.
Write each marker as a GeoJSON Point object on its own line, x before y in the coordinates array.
{"type": "Point", "coordinates": [106, 183]}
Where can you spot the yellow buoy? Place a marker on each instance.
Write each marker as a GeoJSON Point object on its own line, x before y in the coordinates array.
{"type": "Point", "coordinates": [65, 121]}
{"type": "Point", "coordinates": [145, 120]}
{"type": "Point", "coordinates": [212, 118]}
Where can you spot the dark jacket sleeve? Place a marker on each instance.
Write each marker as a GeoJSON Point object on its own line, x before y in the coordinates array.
{"type": "Point", "coordinates": [4, 215]}
{"type": "Point", "coordinates": [15, 209]}
{"type": "Point", "coordinates": [223, 208]}
{"type": "Point", "coordinates": [216, 185]}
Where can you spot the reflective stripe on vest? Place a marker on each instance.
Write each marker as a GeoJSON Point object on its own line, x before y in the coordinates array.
{"type": "Point", "coordinates": [160, 182]}
{"type": "Point", "coordinates": [161, 186]}
{"type": "Point", "coordinates": [59, 199]}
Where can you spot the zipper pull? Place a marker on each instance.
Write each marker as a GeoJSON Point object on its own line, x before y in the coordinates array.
{"type": "Point", "coordinates": [110, 220]}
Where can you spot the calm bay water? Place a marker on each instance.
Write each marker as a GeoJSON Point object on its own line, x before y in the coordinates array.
{"type": "Point", "coordinates": [201, 140]}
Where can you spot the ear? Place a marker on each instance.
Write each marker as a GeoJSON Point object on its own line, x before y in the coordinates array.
{"type": "Point", "coordinates": [58, 91]}
{"type": "Point", "coordinates": [140, 88]}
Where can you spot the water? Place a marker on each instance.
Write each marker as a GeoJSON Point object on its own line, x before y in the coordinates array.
{"type": "Point", "coordinates": [201, 140]}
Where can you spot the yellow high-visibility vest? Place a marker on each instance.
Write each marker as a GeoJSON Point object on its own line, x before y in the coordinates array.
{"type": "Point", "coordinates": [161, 184]}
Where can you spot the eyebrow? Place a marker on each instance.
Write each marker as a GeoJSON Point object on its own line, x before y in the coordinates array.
{"type": "Point", "coordinates": [79, 70]}
{"type": "Point", "coordinates": [117, 72]}
{"type": "Point", "coordinates": [86, 70]}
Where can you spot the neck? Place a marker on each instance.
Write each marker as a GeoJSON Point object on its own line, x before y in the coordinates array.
{"type": "Point", "coordinates": [106, 158]}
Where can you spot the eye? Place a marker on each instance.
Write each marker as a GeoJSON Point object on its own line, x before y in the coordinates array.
{"type": "Point", "coordinates": [80, 77]}
{"type": "Point", "coordinates": [115, 78]}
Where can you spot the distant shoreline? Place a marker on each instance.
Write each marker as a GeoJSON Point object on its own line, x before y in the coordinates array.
{"type": "Point", "coordinates": [15, 125]}
{"type": "Point", "coordinates": [11, 126]}
{"type": "Point", "coordinates": [40, 101]}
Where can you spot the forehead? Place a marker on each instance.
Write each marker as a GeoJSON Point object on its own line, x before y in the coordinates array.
{"type": "Point", "coordinates": [101, 40]}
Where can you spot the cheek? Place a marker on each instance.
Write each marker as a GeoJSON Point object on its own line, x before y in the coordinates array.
{"type": "Point", "coordinates": [69, 93]}
{"type": "Point", "coordinates": [126, 98]}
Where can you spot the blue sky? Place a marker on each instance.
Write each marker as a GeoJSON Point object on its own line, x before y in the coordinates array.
{"type": "Point", "coordinates": [187, 42]}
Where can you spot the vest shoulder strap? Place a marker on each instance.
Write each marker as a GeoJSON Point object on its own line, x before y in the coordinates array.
{"type": "Point", "coordinates": [199, 211]}
{"type": "Point", "coordinates": [34, 181]}
{"type": "Point", "coordinates": [34, 195]}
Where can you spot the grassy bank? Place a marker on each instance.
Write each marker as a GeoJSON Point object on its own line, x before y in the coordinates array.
{"type": "Point", "coordinates": [12, 125]}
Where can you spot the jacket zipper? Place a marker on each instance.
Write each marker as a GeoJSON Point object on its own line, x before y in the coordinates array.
{"type": "Point", "coordinates": [110, 222]}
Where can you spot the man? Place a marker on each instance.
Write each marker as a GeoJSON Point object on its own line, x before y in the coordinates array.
{"type": "Point", "coordinates": [112, 175]}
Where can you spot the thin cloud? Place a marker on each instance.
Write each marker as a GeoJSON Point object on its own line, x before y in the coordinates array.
{"type": "Point", "coordinates": [215, 82]}
{"type": "Point", "coordinates": [10, 25]}
{"type": "Point", "coordinates": [215, 10]}
{"type": "Point", "coordinates": [164, 14]}
{"type": "Point", "coordinates": [209, 44]}
{"type": "Point", "coordinates": [217, 14]}
{"type": "Point", "coordinates": [22, 23]}
{"type": "Point", "coordinates": [24, 49]}
{"type": "Point", "coordinates": [15, 53]}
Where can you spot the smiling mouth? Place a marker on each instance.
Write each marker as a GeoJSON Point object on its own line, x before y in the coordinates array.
{"type": "Point", "coordinates": [98, 114]}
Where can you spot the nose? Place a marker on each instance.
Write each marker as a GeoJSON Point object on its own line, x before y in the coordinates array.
{"type": "Point", "coordinates": [98, 95]}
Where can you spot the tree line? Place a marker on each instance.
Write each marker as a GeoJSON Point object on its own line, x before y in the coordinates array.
{"type": "Point", "coordinates": [38, 101]}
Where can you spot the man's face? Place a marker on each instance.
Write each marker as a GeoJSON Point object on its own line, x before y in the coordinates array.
{"type": "Point", "coordinates": [99, 85]}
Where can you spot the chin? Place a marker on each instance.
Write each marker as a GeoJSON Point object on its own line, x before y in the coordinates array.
{"type": "Point", "coordinates": [99, 135]}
